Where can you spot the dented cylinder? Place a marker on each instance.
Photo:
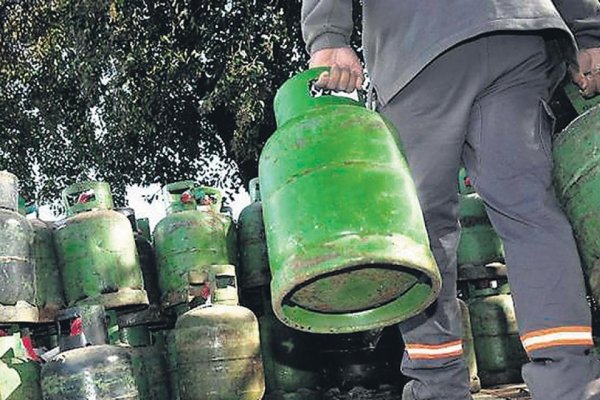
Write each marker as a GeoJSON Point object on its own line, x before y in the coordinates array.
{"type": "Point", "coordinates": [347, 243]}
{"type": "Point", "coordinates": [193, 236]}
{"type": "Point", "coordinates": [17, 273]}
{"type": "Point", "coordinates": [96, 250]}
{"type": "Point", "coordinates": [49, 291]}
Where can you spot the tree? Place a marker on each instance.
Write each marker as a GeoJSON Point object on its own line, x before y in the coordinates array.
{"type": "Point", "coordinates": [141, 91]}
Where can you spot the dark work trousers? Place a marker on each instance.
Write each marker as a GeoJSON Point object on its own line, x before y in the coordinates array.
{"type": "Point", "coordinates": [485, 102]}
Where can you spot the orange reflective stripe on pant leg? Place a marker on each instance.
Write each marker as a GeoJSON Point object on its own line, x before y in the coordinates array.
{"type": "Point", "coordinates": [434, 351]}
{"type": "Point", "coordinates": [561, 336]}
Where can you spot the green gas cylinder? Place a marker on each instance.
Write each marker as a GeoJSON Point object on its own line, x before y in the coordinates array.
{"type": "Point", "coordinates": [102, 372]}
{"type": "Point", "coordinates": [17, 272]}
{"type": "Point", "coordinates": [149, 364]}
{"type": "Point", "coordinates": [87, 368]}
{"type": "Point", "coordinates": [146, 255]}
{"type": "Point", "coordinates": [498, 348]}
{"type": "Point", "coordinates": [292, 369]}
{"type": "Point", "coordinates": [193, 236]}
{"type": "Point", "coordinates": [577, 182]}
{"type": "Point", "coordinates": [347, 243]}
{"type": "Point", "coordinates": [218, 346]}
{"type": "Point", "coordinates": [469, 347]}
{"type": "Point", "coordinates": [254, 270]}
{"type": "Point", "coordinates": [49, 290]}
{"type": "Point", "coordinates": [96, 250]}
{"type": "Point", "coordinates": [479, 244]}
{"type": "Point", "coordinates": [144, 228]}
{"type": "Point", "coordinates": [19, 373]}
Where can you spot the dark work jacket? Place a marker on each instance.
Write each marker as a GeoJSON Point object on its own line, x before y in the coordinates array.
{"type": "Point", "coordinates": [400, 37]}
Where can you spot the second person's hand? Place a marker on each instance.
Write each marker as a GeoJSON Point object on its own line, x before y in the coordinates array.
{"type": "Point", "coordinates": [346, 72]}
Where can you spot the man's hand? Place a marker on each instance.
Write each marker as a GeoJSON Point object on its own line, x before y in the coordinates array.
{"type": "Point", "coordinates": [588, 76]}
{"type": "Point", "coordinates": [346, 73]}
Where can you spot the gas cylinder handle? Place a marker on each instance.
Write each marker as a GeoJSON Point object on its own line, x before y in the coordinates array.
{"type": "Point", "coordinates": [211, 191]}
{"type": "Point", "coordinates": [318, 92]}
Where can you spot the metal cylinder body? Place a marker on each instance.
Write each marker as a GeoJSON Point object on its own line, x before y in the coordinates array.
{"type": "Point", "coordinates": [479, 244]}
{"type": "Point", "coordinates": [17, 272]}
{"type": "Point", "coordinates": [149, 364]}
{"type": "Point", "coordinates": [90, 373]}
{"type": "Point", "coordinates": [347, 243]}
{"type": "Point", "coordinates": [469, 347]}
{"type": "Point", "coordinates": [576, 181]}
{"type": "Point", "coordinates": [97, 252]}
{"type": "Point", "coordinates": [218, 354]}
{"type": "Point", "coordinates": [19, 375]}
{"type": "Point", "coordinates": [187, 239]}
{"type": "Point", "coordinates": [289, 360]}
{"type": "Point", "coordinates": [254, 261]}
{"type": "Point", "coordinates": [49, 291]}
{"type": "Point", "coordinates": [498, 348]}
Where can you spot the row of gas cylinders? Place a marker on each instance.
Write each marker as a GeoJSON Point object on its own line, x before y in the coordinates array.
{"type": "Point", "coordinates": [219, 350]}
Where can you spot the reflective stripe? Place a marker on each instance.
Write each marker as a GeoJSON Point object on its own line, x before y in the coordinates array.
{"type": "Point", "coordinates": [563, 336]}
{"type": "Point", "coordinates": [434, 351]}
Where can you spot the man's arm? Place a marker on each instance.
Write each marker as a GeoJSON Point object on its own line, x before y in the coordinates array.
{"type": "Point", "coordinates": [326, 28]}
{"type": "Point", "coordinates": [326, 24]}
{"type": "Point", "coordinates": [583, 18]}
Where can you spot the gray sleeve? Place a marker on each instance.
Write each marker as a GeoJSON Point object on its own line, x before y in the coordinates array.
{"type": "Point", "coordinates": [326, 24]}
{"type": "Point", "coordinates": [583, 17]}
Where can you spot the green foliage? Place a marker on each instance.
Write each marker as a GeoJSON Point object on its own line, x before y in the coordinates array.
{"type": "Point", "coordinates": [140, 91]}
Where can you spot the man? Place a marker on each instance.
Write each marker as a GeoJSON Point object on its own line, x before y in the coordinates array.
{"type": "Point", "coordinates": [470, 80]}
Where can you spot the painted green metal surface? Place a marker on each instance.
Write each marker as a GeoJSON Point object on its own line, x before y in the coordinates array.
{"type": "Point", "coordinates": [96, 249]}
{"type": "Point", "coordinates": [347, 243]}
{"type": "Point", "coordinates": [144, 228]}
{"type": "Point", "coordinates": [217, 346]}
{"type": "Point", "coordinates": [469, 347]}
{"type": "Point", "coordinates": [577, 185]}
{"type": "Point", "coordinates": [149, 364]}
{"type": "Point", "coordinates": [289, 359]}
{"type": "Point", "coordinates": [172, 363]}
{"type": "Point", "coordinates": [19, 375]}
{"type": "Point", "coordinates": [187, 239]}
{"type": "Point", "coordinates": [49, 291]}
{"type": "Point", "coordinates": [90, 373]}
{"type": "Point", "coordinates": [498, 349]}
{"type": "Point", "coordinates": [17, 273]}
{"type": "Point", "coordinates": [479, 244]}
{"type": "Point", "coordinates": [254, 261]}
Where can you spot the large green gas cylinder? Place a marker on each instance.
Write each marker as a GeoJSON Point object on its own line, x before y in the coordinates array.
{"type": "Point", "coordinates": [19, 373]}
{"type": "Point", "coordinates": [469, 347]}
{"type": "Point", "coordinates": [479, 244]}
{"type": "Point", "coordinates": [254, 270]}
{"type": "Point", "coordinates": [347, 243]}
{"type": "Point", "coordinates": [498, 349]}
{"type": "Point", "coordinates": [49, 290]}
{"type": "Point", "coordinates": [577, 184]}
{"type": "Point", "coordinates": [218, 346]}
{"type": "Point", "coordinates": [96, 250]}
{"type": "Point", "coordinates": [87, 368]}
{"type": "Point", "coordinates": [17, 276]}
{"type": "Point", "coordinates": [149, 364]}
{"type": "Point", "coordinates": [190, 238]}
{"type": "Point", "coordinates": [146, 256]}
{"type": "Point", "coordinates": [290, 364]}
